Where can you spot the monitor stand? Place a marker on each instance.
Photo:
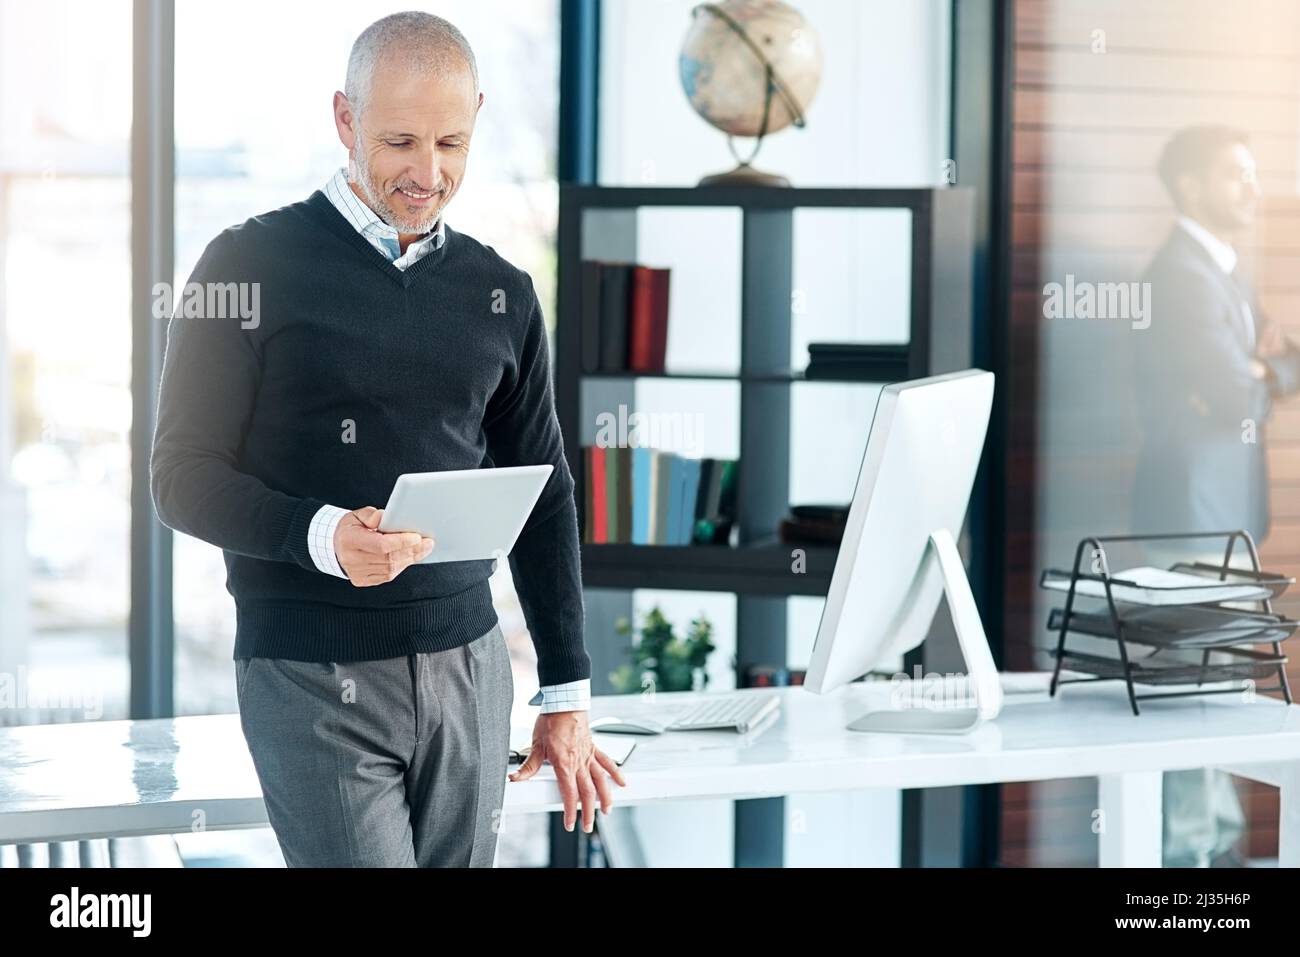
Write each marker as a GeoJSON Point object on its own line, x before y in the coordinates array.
{"type": "Point", "coordinates": [983, 673]}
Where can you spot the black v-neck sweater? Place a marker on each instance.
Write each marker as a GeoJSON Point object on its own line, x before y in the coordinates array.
{"type": "Point", "coordinates": [351, 373]}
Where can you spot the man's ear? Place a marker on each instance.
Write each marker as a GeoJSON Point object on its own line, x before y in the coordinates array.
{"type": "Point", "coordinates": [344, 120]}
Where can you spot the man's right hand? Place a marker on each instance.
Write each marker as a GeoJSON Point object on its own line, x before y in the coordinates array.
{"type": "Point", "coordinates": [1272, 341]}
{"type": "Point", "coordinates": [371, 557]}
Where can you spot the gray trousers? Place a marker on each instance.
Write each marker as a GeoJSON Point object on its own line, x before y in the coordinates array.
{"type": "Point", "coordinates": [394, 763]}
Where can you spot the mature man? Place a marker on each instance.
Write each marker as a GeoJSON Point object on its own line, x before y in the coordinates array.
{"type": "Point", "coordinates": [1208, 370]}
{"type": "Point", "coordinates": [1210, 365]}
{"type": "Point", "coordinates": [375, 693]}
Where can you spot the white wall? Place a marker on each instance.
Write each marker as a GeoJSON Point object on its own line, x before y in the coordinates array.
{"type": "Point", "coordinates": [879, 118]}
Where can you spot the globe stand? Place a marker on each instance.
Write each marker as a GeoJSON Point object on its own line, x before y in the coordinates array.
{"type": "Point", "coordinates": [744, 175]}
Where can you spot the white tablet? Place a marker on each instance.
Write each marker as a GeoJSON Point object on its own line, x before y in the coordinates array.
{"type": "Point", "coordinates": [470, 514]}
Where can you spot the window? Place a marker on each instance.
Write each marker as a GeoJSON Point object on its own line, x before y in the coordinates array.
{"type": "Point", "coordinates": [65, 358]}
{"type": "Point", "coordinates": [1109, 434]}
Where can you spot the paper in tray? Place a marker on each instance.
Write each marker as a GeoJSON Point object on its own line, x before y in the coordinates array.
{"type": "Point", "coordinates": [1145, 585]}
{"type": "Point", "coordinates": [1275, 584]}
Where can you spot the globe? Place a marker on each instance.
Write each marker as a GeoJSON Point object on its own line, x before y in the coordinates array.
{"type": "Point", "coordinates": [750, 68]}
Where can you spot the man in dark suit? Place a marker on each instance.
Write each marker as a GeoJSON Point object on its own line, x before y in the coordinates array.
{"type": "Point", "coordinates": [1210, 364]}
{"type": "Point", "coordinates": [1209, 367]}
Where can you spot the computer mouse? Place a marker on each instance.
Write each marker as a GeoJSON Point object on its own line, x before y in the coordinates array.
{"type": "Point", "coordinates": [615, 725]}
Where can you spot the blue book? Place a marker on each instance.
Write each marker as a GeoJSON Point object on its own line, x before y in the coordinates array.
{"type": "Point", "coordinates": [641, 471]}
{"type": "Point", "coordinates": [676, 470]}
{"type": "Point", "coordinates": [690, 491]}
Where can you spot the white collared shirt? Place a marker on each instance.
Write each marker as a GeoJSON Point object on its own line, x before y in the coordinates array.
{"type": "Point", "coordinates": [569, 696]}
{"type": "Point", "coordinates": [377, 232]}
{"type": "Point", "coordinates": [1225, 257]}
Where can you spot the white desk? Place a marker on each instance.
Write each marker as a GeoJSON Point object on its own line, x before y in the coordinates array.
{"type": "Point", "coordinates": [122, 778]}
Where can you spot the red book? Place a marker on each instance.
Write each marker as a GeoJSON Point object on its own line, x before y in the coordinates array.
{"type": "Point", "coordinates": [647, 336]}
{"type": "Point", "coordinates": [599, 514]}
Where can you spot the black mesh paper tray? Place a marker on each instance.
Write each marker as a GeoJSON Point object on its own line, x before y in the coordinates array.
{"type": "Point", "coordinates": [1152, 672]}
{"type": "Point", "coordinates": [1181, 626]}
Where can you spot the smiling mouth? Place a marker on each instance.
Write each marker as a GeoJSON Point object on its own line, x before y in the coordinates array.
{"type": "Point", "coordinates": [419, 197]}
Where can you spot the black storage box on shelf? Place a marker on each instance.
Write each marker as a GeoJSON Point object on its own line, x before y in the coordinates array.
{"type": "Point", "coordinates": [1194, 623]}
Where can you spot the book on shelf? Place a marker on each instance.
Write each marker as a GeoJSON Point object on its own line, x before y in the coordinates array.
{"type": "Point", "coordinates": [813, 525]}
{"type": "Point", "coordinates": [617, 494]}
{"type": "Point", "coordinates": [642, 478]}
{"type": "Point", "coordinates": [624, 309]}
{"type": "Point", "coordinates": [670, 520]}
{"type": "Point", "coordinates": [851, 360]}
{"type": "Point", "coordinates": [611, 331]}
{"type": "Point", "coordinates": [842, 351]}
{"type": "Point", "coordinates": [684, 526]}
{"type": "Point", "coordinates": [647, 332]}
{"type": "Point", "coordinates": [623, 493]}
{"type": "Point", "coordinates": [588, 513]}
{"type": "Point", "coordinates": [594, 497]}
{"type": "Point", "coordinates": [658, 496]}
{"type": "Point", "coordinates": [647, 496]}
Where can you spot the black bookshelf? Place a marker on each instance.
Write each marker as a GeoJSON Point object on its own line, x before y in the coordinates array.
{"type": "Point", "coordinates": [879, 364]}
{"type": "Point", "coordinates": [601, 223]}
{"type": "Point", "coordinates": [763, 567]}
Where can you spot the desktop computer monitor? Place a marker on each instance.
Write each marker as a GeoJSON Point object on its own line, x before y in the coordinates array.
{"type": "Point", "coordinates": [899, 553]}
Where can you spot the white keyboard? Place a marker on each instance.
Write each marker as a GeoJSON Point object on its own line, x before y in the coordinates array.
{"type": "Point", "coordinates": [733, 712]}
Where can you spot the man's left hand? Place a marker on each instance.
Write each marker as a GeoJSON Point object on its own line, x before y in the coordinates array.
{"type": "Point", "coordinates": [582, 770]}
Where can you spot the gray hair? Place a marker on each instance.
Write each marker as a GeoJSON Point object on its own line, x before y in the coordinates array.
{"type": "Point", "coordinates": [420, 41]}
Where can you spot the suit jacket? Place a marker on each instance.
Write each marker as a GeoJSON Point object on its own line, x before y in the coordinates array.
{"type": "Point", "coordinates": [1202, 466]}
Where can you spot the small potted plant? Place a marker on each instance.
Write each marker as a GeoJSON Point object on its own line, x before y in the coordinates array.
{"type": "Point", "coordinates": [660, 660]}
